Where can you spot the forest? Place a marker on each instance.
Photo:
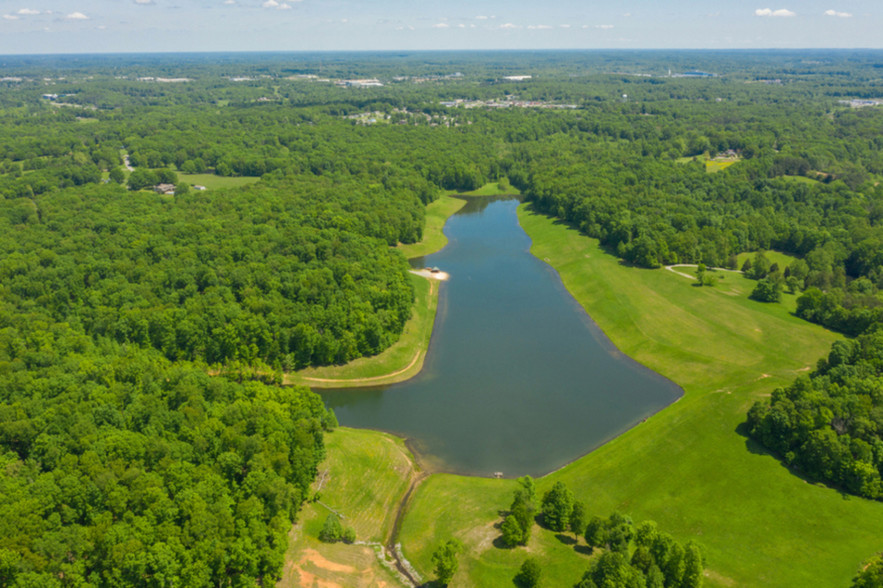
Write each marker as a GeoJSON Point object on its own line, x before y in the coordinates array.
{"type": "Point", "coordinates": [143, 436]}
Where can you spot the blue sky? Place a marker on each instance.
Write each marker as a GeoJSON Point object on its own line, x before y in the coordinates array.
{"type": "Point", "coordinates": [87, 26]}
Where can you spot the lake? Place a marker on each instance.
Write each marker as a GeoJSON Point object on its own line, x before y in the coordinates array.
{"type": "Point", "coordinates": [518, 378]}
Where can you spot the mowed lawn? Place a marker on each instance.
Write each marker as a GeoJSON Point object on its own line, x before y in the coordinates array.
{"type": "Point", "coordinates": [689, 467]}
{"type": "Point", "coordinates": [364, 477]}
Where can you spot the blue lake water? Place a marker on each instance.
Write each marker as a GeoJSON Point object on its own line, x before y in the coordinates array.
{"type": "Point", "coordinates": [518, 379]}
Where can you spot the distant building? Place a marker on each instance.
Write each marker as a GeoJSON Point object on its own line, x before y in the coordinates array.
{"type": "Point", "coordinates": [516, 78]}
{"type": "Point", "coordinates": [198, 187]}
{"type": "Point", "coordinates": [164, 188]}
{"type": "Point", "coordinates": [50, 96]}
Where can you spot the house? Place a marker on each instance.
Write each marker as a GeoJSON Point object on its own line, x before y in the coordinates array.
{"type": "Point", "coordinates": [164, 188]}
{"type": "Point", "coordinates": [198, 187]}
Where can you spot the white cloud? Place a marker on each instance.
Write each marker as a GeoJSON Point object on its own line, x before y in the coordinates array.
{"type": "Point", "coordinates": [440, 25]}
{"type": "Point", "coordinates": [538, 27]}
{"type": "Point", "coordinates": [770, 12]}
{"type": "Point", "coordinates": [278, 5]}
{"type": "Point", "coordinates": [10, 17]}
{"type": "Point", "coordinates": [481, 18]}
{"type": "Point", "coordinates": [509, 25]}
{"type": "Point", "coordinates": [229, 2]}
{"type": "Point", "coordinates": [143, 1]}
{"type": "Point", "coordinates": [461, 26]}
{"type": "Point", "coordinates": [605, 27]}
{"type": "Point", "coordinates": [77, 16]}
{"type": "Point", "coordinates": [838, 14]}
{"type": "Point", "coordinates": [564, 26]}
{"type": "Point", "coordinates": [27, 11]}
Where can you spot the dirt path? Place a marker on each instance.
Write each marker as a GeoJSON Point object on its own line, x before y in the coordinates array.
{"type": "Point", "coordinates": [367, 380]}
{"type": "Point", "coordinates": [392, 544]}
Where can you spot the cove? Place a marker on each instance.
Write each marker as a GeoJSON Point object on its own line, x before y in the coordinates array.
{"type": "Point", "coordinates": [518, 378]}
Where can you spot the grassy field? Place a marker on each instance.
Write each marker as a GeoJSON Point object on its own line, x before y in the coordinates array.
{"type": "Point", "coordinates": [434, 239]}
{"type": "Point", "coordinates": [401, 361]}
{"type": "Point", "coordinates": [689, 468]}
{"type": "Point", "coordinates": [715, 165]}
{"type": "Point", "coordinates": [711, 165]}
{"type": "Point", "coordinates": [783, 259]}
{"type": "Point", "coordinates": [364, 477]}
{"type": "Point", "coordinates": [211, 181]}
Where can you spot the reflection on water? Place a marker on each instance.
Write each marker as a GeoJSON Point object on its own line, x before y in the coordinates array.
{"type": "Point", "coordinates": [518, 378]}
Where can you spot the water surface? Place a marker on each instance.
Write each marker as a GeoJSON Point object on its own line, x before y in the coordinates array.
{"type": "Point", "coordinates": [518, 379]}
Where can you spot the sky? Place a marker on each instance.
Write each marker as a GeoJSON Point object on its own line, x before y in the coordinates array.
{"type": "Point", "coordinates": [117, 26]}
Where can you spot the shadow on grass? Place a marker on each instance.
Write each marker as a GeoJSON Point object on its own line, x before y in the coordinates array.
{"type": "Point", "coordinates": [583, 549]}
{"type": "Point", "coordinates": [757, 449]}
{"type": "Point", "coordinates": [565, 539]}
{"type": "Point", "coordinates": [500, 544]}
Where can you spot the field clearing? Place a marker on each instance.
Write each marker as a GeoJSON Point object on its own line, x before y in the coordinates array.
{"type": "Point", "coordinates": [689, 468]}
{"type": "Point", "coordinates": [783, 259]}
{"type": "Point", "coordinates": [491, 189]}
{"type": "Point", "coordinates": [364, 477]}
{"type": "Point", "coordinates": [713, 166]}
{"type": "Point", "coordinates": [211, 181]}
{"type": "Point", "coordinates": [399, 362]}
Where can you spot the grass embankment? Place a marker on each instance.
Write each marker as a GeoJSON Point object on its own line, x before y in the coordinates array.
{"type": "Point", "coordinates": [688, 467]}
{"type": "Point", "coordinates": [404, 359]}
{"type": "Point", "coordinates": [364, 477]}
{"type": "Point", "coordinates": [437, 213]}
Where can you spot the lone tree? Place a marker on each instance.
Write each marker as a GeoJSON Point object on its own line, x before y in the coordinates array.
{"type": "Point", "coordinates": [445, 560]}
{"type": "Point", "coordinates": [332, 530]}
{"type": "Point", "coordinates": [529, 573]}
{"type": "Point", "coordinates": [557, 507]}
{"type": "Point", "coordinates": [767, 290]}
{"type": "Point", "coordinates": [578, 518]}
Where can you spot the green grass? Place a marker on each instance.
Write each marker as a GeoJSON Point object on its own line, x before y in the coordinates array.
{"type": "Point", "coordinates": [800, 179]}
{"type": "Point", "coordinates": [686, 467]}
{"type": "Point", "coordinates": [713, 166]}
{"type": "Point", "coordinates": [364, 478]}
{"type": "Point", "coordinates": [437, 213]}
{"type": "Point", "coordinates": [211, 181]}
{"type": "Point", "coordinates": [401, 361]}
{"type": "Point", "coordinates": [783, 259]}
{"type": "Point", "coordinates": [489, 189]}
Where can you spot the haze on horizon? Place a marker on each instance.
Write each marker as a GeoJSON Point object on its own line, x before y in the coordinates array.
{"type": "Point", "coordinates": [118, 26]}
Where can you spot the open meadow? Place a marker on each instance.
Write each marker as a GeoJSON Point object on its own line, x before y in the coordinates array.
{"type": "Point", "coordinates": [690, 468]}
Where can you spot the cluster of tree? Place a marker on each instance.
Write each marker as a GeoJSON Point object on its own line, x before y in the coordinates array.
{"type": "Point", "coordinates": [870, 575]}
{"type": "Point", "coordinates": [518, 524]}
{"type": "Point", "coordinates": [120, 468]}
{"type": "Point", "coordinates": [635, 556]}
{"type": "Point", "coordinates": [830, 424]}
{"type": "Point", "coordinates": [333, 531]}
{"type": "Point", "coordinates": [445, 562]}
{"type": "Point", "coordinates": [656, 560]}
{"type": "Point", "coordinates": [291, 273]}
